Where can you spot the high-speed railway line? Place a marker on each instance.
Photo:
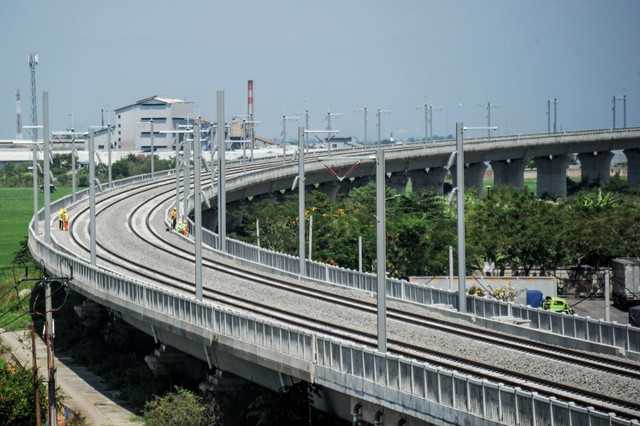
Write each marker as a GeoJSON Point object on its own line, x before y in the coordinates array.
{"type": "Point", "coordinates": [133, 240]}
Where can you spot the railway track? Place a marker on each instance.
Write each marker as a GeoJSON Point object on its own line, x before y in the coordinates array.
{"type": "Point", "coordinates": [143, 223]}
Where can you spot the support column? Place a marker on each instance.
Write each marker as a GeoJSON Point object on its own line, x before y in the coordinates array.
{"type": "Point", "coordinates": [595, 167]}
{"type": "Point", "coordinates": [633, 166]}
{"type": "Point", "coordinates": [552, 175]}
{"type": "Point", "coordinates": [398, 181]}
{"type": "Point", "coordinates": [430, 177]}
{"type": "Point", "coordinates": [331, 189]}
{"type": "Point", "coordinates": [509, 172]}
{"type": "Point", "coordinates": [473, 177]}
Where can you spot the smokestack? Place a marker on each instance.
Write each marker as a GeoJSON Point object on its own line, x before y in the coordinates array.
{"type": "Point", "coordinates": [18, 116]}
{"type": "Point", "coordinates": [250, 111]}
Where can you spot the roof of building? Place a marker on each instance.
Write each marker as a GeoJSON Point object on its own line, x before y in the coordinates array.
{"type": "Point", "coordinates": [155, 100]}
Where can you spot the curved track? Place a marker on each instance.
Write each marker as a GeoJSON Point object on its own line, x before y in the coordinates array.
{"type": "Point", "coordinates": [137, 215]}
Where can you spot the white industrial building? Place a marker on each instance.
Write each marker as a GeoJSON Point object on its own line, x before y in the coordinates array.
{"type": "Point", "coordinates": [132, 129]}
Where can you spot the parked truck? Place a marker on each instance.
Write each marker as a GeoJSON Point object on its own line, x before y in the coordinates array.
{"type": "Point", "coordinates": [626, 282]}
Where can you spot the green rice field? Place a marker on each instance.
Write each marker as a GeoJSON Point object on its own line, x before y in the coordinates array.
{"type": "Point", "coordinates": [17, 211]}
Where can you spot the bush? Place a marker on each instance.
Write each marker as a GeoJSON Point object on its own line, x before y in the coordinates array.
{"type": "Point", "coordinates": [17, 399]}
{"type": "Point", "coordinates": [181, 408]}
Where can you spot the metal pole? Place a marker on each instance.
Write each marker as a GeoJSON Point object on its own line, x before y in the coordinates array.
{"type": "Point", "coordinates": [36, 381]}
{"type": "Point", "coordinates": [153, 151]}
{"type": "Point", "coordinates": [35, 184]}
{"type": "Point", "coordinates": [92, 196]}
{"type": "Point", "coordinates": [624, 111]}
{"type": "Point", "coordinates": [74, 172]}
{"type": "Point", "coordinates": [328, 137]}
{"type": "Point", "coordinates": [606, 296]}
{"type": "Point", "coordinates": [222, 196]}
{"type": "Point", "coordinates": [177, 204]}
{"type": "Point", "coordinates": [284, 140]}
{"type": "Point", "coordinates": [186, 174]}
{"type": "Point", "coordinates": [301, 202]}
{"type": "Point", "coordinates": [306, 126]}
{"type": "Point", "coordinates": [450, 267]}
{"type": "Point", "coordinates": [47, 167]}
{"type": "Point", "coordinates": [488, 119]}
{"type": "Point", "coordinates": [381, 246]}
{"type": "Point", "coordinates": [365, 123]}
{"type": "Point", "coordinates": [613, 108]}
{"type": "Point", "coordinates": [197, 206]}
{"type": "Point", "coordinates": [53, 416]}
{"type": "Point", "coordinates": [462, 300]}
{"type": "Point", "coordinates": [310, 236]}
{"type": "Point", "coordinates": [430, 122]}
{"type": "Point", "coordinates": [379, 138]}
{"type": "Point", "coordinates": [359, 253]}
{"type": "Point", "coordinates": [555, 115]}
{"type": "Point", "coordinates": [426, 122]}
{"type": "Point", "coordinates": [548, 115]}
{"type": "Point", "coordinates": [109, 153]}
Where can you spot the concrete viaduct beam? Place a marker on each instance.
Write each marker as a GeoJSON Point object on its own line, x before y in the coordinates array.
{"type": "Point", "coordinates": [509, 172]}
{"type": "Point", "coordinates": [595, 166]}
{"type": "Point", "coordinates": [552, 175]}
{"type": "Point", "coordinates": [633, 166]}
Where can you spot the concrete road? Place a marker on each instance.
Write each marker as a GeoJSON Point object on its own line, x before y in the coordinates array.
{"type": "Point", "coordinates": [595, 308]}
{"type": "Point", "coordinates": [83, 391]}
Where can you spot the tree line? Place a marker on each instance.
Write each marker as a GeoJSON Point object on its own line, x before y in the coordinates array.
{"type": "Point", "coordinates": [510, 228]}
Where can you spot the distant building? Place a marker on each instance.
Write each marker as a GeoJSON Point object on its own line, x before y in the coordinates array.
{"type": "Point", "coordinates": [342, 142]}
{"type": "Point", "coordinates": [132, 129]}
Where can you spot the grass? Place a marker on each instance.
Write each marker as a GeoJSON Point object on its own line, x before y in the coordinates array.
{"type": "Point", "coordinates": [17, 205]}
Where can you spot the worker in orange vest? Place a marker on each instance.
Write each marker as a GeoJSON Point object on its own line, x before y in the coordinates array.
{"type": "Point", "coordinates": [185, 228]}
{"type": "Point", "coordinates": [174, 218]}
{"type": "Point", "coordinates": [60, 218]}
{"type": "Point", "coordinates": [65, 219]}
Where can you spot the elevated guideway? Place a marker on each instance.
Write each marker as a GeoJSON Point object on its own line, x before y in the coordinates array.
{"type": "Point", "coordinates": [359, 383]}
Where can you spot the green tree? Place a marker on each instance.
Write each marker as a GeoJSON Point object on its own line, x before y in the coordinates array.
{"type": "Point", "coordinates": [17, 399]}
{"type": "Point", "coordinates": [180, 407]}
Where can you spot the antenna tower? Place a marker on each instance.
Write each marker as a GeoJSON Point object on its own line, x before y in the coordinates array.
{"type": "Point", "coordinates": [33, 61]}
{"type": "Point", "coordinates": [18, 116]}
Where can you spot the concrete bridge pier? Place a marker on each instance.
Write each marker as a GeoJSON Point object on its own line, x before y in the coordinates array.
{"type": "Point", "coordinates": [509, 172]}
{"type": "Point", "coordinates": [595, 166]}
{"type": "Point", "coordinates": [167, 361]}
{"type": "Point", "coordinates": [430, 177]}
{"type": "Point", "coordinates": [398, 181]}
{"type": "Point", "coordinates": [552, 175]}
{"type": "Point", "coordinates": [331, 189]}
{"type": "Point", "coordinates": [473, 177]}
{"type": "Point", "coordinates": [633, 166]}
{"type": "Point", "coordinates": [352, 183]}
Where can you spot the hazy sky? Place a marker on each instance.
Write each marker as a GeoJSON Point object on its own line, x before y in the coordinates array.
{"type": "Point", "coordinates": [328, 56]}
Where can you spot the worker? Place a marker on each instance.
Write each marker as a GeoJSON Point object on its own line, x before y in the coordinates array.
{"type": "Point", "coordinates": [174, 218]}
{"type": "Point", "coordinates": [185, 228]}
{"type": "Point", "coordinates": [60, 218]}
{"type": "Point", "coordinates": [65, 219]}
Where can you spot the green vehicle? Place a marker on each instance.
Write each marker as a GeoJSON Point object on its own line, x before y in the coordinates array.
{"type": "Point", "coordinates": [557, 304]}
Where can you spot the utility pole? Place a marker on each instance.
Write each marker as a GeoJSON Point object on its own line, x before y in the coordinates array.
{"type": "Point", "coordinates": [364, 109]}
{"type": "Point", "coordinates": [222, 195]}
{"type": "Point", "coordinates": [488, 108]}
{"type": "Point", "coordinates": [284, 135]}
{"type": "Point", "coordinates": [36, 382]}
{"type": "Point", "coordinates": [329, 115]}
